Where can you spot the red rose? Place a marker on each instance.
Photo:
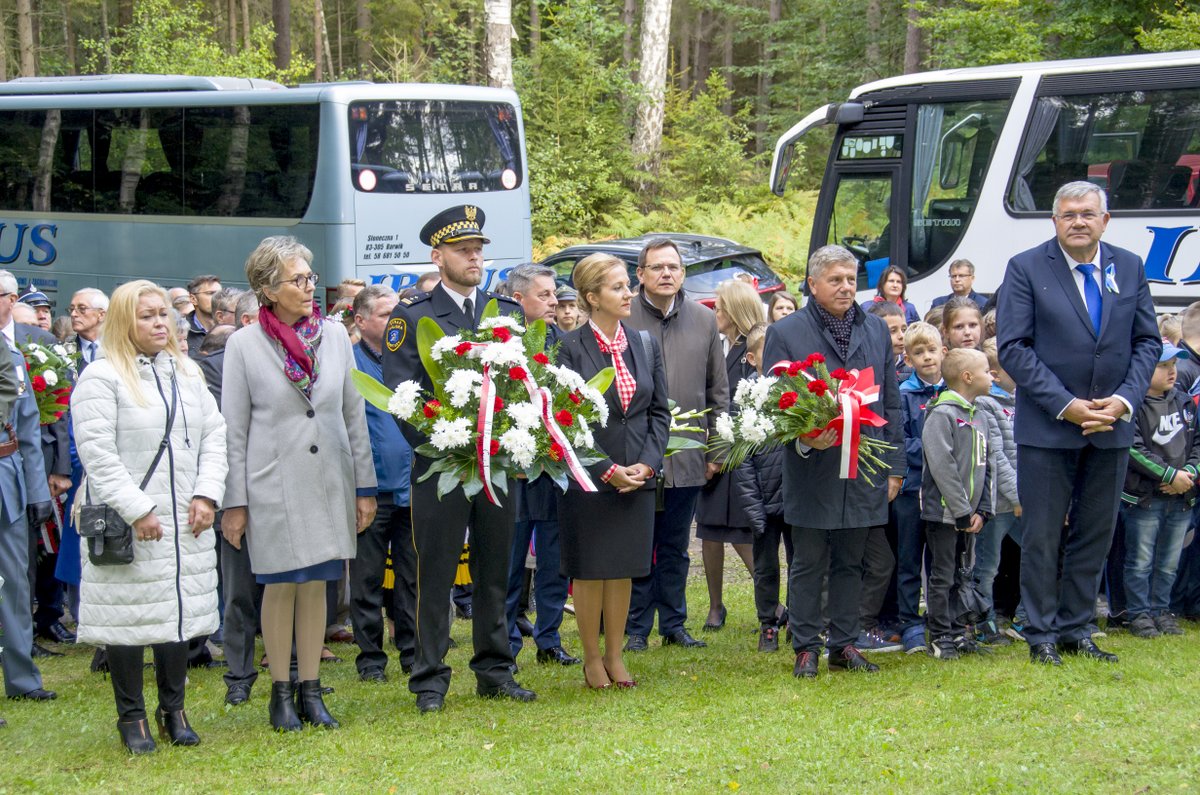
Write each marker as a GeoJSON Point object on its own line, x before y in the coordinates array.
{"type": "Point", "coordinates": [576, 398]}
{"type": "Point", "coordinates": [795, 367]}
{"type": "Point", "coordinates": [556, 451]}
{"type": "Point", "coordinates": [431, 408]}
{"type": "Point", "coordinates": [517, 373]}
{"type": "Point", "coordinates": [818, 387]}
{"type": "Point", "coordinates": [840, 374]}
{"type": "Point", "coordinates": [817, 358]}
{"type": "Point", "coordinates": [565, 417]}
{"type": "Point", "coordinates": [65, 400]}
{"type": "Point", "coordinates": [499, 403]}
{"type": "Point", "coordinates": [779, 369]}
{"type": "Point", "coordinates": [495, 447]}
{"type": "Point", "coordinates": [462, 348]}
{"type": "Point", "coordinates": [787, 400]}
{"type": "Point", "coordinates": [541, 358]}
{"type": "Point", "coordinates": [501, 333]}
{"type": "Point", "coordinates": [39, 384]}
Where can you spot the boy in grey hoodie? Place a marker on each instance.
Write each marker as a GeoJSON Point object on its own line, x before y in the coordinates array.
{"type": "Point", "coordinates": [956, 494]}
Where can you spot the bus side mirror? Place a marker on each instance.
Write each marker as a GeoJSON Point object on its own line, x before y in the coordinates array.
{"type": "Point", "coordinates": [846, 113]}
{"type": "Point", "coordinates": [952, 152]}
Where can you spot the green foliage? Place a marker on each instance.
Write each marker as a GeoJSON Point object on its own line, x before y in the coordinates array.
{"type": "Point", "coordinates": [980, 32]}
{"type": "Point", "coordinates": [176, 38]}
{"type": "Point", "coordinates": [1178, 30]}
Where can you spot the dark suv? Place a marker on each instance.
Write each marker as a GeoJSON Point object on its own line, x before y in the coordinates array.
{"type": "Point", "coordinates": [707, 262]}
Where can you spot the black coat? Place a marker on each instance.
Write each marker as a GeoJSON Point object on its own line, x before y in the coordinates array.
{"type": "Point", "coordinates": [538, 501]}
{"type": "Point", "coordinates": [213, 366]}
{"type": "Point", "coordinates": [720, 503]}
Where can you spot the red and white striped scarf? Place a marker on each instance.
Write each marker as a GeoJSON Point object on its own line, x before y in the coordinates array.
{"type": "Point", "coordinates": [626, 385]}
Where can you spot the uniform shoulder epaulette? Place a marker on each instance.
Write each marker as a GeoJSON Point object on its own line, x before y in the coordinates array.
{"type": "Point", "coordinates": [503, 299]}
{"type": "Point", "coordinates": [415, 299]}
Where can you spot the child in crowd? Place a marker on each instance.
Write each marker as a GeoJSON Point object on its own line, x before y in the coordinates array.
{"type": "Point", "coordinates": [893, 315]}
{"type": "Point", "coordinates": [934, 316]}
{"type": "Point", "coordinates": [923, 351]}
{"type": "Point", "coordinates": [956, 495]}
{"type": "Point", "coordinates": [1170, 327]}
{"type": "Point", "coordinates": [962, 323]}
{"type": "Point", "coordinates": [566, 314]}
{"type": "Point", "coordinates": [1160, 489]}
{"type": "Point", "coordinates": [761, 484]}
{"type": "Point", "coordinates": [998, 408]}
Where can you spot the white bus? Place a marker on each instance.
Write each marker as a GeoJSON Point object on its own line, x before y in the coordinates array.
{"type": "Point", "coordinates": [109, 178]}
{"type": "Point", "coordinates": [929, 168]}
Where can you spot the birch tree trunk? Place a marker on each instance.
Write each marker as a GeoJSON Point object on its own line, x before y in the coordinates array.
{"type": "Point", "coordinates": [25, 46]}
{"type": "Point", "coordinates": [652, 77]}
{"type": "Point", "coordinates": [498, 46]}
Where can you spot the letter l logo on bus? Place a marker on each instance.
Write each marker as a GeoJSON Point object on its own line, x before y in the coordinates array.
{"type": "Point", "coordinates": [1162, 254]}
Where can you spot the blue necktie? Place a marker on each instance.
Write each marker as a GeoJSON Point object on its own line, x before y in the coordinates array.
{"type": "Point", "coordinates": [1091, 295]}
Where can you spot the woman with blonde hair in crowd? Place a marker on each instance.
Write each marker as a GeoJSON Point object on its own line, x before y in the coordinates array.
{"type": "Point", "coordinates": [301, 476]}
{"type": "Point", "coordinates": [152, 443]}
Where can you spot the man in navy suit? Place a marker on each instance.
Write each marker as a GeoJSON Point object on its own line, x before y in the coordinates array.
{"type": "Point", "coordinates": [1076, 331]}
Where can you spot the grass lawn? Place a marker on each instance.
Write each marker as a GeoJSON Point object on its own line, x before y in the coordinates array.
{"type": "Point", "coordinates": [723, 718]}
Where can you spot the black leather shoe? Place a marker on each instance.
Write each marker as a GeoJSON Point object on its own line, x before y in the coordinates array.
{"type": "Point", "coordinates": [465, 612]}
{"type": "Point", "coordinates": [283, 708]}
{"type": "Point", "coordinates": [1044, 653]}
{"type": "Point", "coordinates": [135, 734]}
{"type": "Point", "coordinates": [406, 668]}
{"type": "Point", "coordinates": [174, 726]}
{"type": "Point", "coordinates": [36, 695]}
{"type": "Point", "coordinates": [849, 658]}
{"type": "Point", "coordinates": [524, 626]}
{"type": "Point", "coordinates": [430, 702]}
{"type": "Point", "coordinates": [310, 707]}
{"type": "Point", "coordinates": [806, 665]}
{"type": "Point", "coordinates": [510, 690]}
{"type": "Point", "coordinates": [636, 643]}
{"type": "Point", "coordinates": [1086, 647]}
{"type": "Point", "coordinates": [682, 638]}
{"type": "Point", "coordinates": [237, 694]}
{"type": "Point", "coordinates": [41, 651]}
{"type": "Point", "coordinates": [56, 633]}
{"type": "Point", "coordinates": [556, 654]}
{"type": "Point", "coordinates": [373, 674]}
{"type": "Point", "coordinates": [768, 639]}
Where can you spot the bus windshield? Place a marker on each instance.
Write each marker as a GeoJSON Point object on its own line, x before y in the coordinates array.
{"type": "Point", "coordinates": [434, 146]}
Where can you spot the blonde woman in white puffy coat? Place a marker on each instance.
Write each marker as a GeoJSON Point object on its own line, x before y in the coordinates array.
{"type": "Point", "coordinates": [168, 594]}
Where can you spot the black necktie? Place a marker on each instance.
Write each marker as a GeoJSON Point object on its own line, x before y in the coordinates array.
{"type": "Point", "coordinates": [469, 311]}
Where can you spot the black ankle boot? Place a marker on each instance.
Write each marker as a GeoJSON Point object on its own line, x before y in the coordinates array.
{"type": "Point", "coordinates": [283, 708]}
{"type": "Point", "coordinates": [312, 706]}
{"type": "Point", "coordinates": [174, 726]}
{"type": "Point", "coordinates": [136, 736]}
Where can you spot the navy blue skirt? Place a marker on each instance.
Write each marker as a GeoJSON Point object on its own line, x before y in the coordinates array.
{"type": "Point", "coordinates": [329, 570]}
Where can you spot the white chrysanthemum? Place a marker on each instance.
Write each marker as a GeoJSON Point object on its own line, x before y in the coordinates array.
{"type": "Point", "coordinates": [593, 396]}
{"type": "Point", "coordinates": [724, 427]}
{"type": "Point", "coordinates": [751, 426]}
{"type": "Point", "coordinates": [451, 433]}
{"type": "Point", "coordinates": [403, 401]}
{"type": "Point", "coordinates": [567, 378]}
{"type": "Point", "coordinates": [504, 354]}
{"type": "Point", "coordinates": [508, 321]}
{"type": "Point", "coordinates": [583, 439]}
{"type": "Point", "coordinates": [521, 445]}
{"type": "Point", "coordinates": [40, 355]}
{"type": "Point", "coordinates": [446, 346]}
{"type": "Point", "coordinates": [766, 425]}
{"type": "Point", "coordinates": [759, 391]}
{"type": "Point", "coordinates": [742, 393]}
{"type": "Point", "coordinates": [51, 378]}
{"type": "Point", "coordinates": [524, 415]}
{"type": "Point", "coordinates": [460, 387]}
{"type": "Point", "coordinates": [59, 350]}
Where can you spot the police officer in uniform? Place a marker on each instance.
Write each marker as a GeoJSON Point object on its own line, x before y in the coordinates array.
{"type": "Point", "coordinates": [457, 303]}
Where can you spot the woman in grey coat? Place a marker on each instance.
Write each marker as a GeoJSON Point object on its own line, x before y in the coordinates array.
{"type": "Point", "coordinates": [301, 478]}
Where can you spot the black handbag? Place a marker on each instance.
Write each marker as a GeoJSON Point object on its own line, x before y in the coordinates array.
{"type": "Point", "coordinates": [109, 537]}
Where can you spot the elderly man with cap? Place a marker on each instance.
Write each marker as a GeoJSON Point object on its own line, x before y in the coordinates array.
{"type": "Point", "coordinates": [456, 303]}
{"type": "Point", "coordinates": [41, 306]}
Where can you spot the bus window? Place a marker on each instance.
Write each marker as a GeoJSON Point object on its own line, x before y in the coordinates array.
{"type": "Point", "coordinates": [859, 221]}
{"type": "Point", "coordinates": [138, 161]}
{"type": "Point", "coordinates": [1142, 147]}
{"type": "Point", "coordinates": [426, 146]}
{"type": "Point", "coordinates": [953, 146]}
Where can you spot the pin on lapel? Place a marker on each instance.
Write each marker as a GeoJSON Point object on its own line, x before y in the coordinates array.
{"type": "Point", "coordinates": [1110, 279]}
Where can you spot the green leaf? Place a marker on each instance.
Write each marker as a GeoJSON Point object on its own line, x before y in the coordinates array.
{"type": "Point", "coordinates": [602, 380]}
{"type": "Point", "coordinates": [491, 310]}
{"type": "Point", "coordinates": [677, 443]}
{"type": "Point", "coordinates": [428, 333]}
{"type": "Point", "coordinates": [447, 483]}
{"type": "Point", "coordinates": [472, 487]}
{"type": "Point", "coordinates": [372, 391]}
{"type": "Point", "coordinates": [535, 337]}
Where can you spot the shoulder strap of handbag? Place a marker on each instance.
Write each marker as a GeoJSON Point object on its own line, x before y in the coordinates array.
{"type": "Point", "coordinates": [645, 335]}
{"type": "Point", "coordinates": [162, 446]}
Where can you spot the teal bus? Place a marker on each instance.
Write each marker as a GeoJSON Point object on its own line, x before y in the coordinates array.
{"type": "Point", "coordinates": [108, 178]}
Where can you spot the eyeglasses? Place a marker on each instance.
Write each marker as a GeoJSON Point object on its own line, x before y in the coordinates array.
{"type": "Point", "coordinates": [658, 269]}
{"type": "Point", "coordinates": [209, 293]}
{"type": "Point", "coordinates": [299, 280]}
{"type": "Point", "coordinates": [82, 309]}
{"type": "Point", "coordinates": [1087, 217]}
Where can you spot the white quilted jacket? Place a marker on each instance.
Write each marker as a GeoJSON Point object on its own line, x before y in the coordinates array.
{"type": "Point", "coordinates": [169, 592]}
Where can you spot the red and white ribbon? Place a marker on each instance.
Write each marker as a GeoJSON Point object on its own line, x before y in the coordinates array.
{"type": "Point", "coordinates": [487, 412]}
{"type": "Point", "coordinates": [544, 400]}
{"type": "Point", "coordinates": [855, 393]}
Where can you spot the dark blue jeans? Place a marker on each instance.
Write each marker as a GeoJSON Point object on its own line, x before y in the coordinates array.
{"type": "Point", "coordinates": [1185, 596]}
{"type": "Point", "coordinates": [549, 585]}
{"type": "Point", "coordinates": [987, 554]}
{"type": "Point", "coordinates": [1153, 543]}
{"type": "Point", "coordinates": [910, 549]}
{"type": "Point", "coordinates": [665, 589]}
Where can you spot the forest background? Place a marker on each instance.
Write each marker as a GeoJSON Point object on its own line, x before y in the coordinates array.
{"type": "Point", "coordinates": [640, 115]}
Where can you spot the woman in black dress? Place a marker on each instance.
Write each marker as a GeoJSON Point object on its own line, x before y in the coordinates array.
{"type": "Point", "coordinates": [606, 536]}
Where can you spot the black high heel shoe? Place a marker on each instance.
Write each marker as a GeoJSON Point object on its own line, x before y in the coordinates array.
{"type": "Point", "coordinates": [135, 734]}
{"type": "Point", "coordinates": [283, 708]}
{"type": "Point", "coordinates": [174, 726]}
{"type": "Point", "coordinates": [710, 626]}
{"type": "Point", "coordinates": [311, 707]}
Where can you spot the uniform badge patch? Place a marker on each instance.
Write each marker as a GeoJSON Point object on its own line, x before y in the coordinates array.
{"type": "Point", "coordinates": [397, 330]}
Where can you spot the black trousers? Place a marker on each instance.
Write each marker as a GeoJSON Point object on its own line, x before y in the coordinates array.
{"type": "Point", "coordinates": [44, 588]}
{"type": "Point", "coordinates": [815, 552]}
{"type": "Point", "coordinates": [766, 567]}
{"type": "Point", "coordinates": [125, 670]}
{"type": "Point", "coordinates": [1049, 482]}
{"type": "Point", "coordinates": [437, 538]}
{"type": "Point", "coordinates": [392, 529]}
{"type": "Point", "coordinates": [945, 543]}
{"type": "Point", "coordinates": [243, 598]}
{"type": "Point", "coordinates": [879, 564]}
